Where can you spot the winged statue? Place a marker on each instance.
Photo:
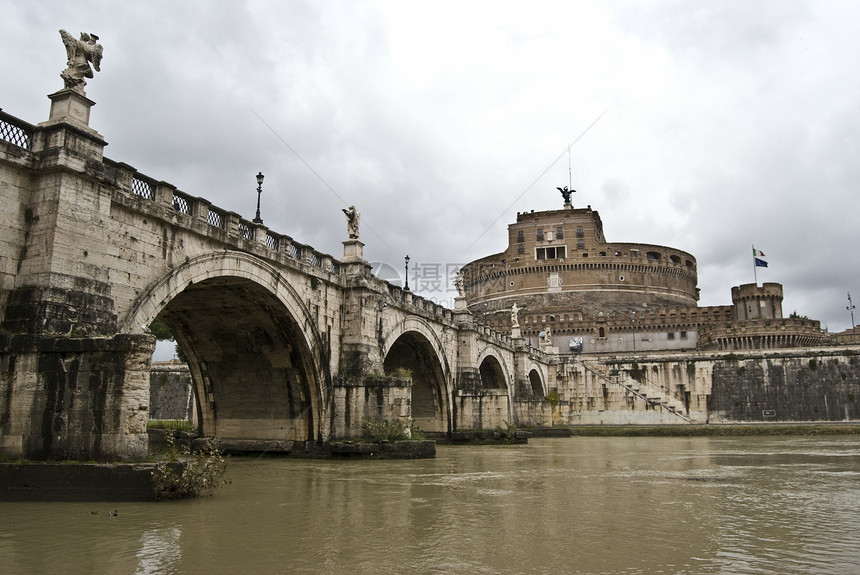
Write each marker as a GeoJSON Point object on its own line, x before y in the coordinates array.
{"type": "Point", "coordinates": [80, 52]}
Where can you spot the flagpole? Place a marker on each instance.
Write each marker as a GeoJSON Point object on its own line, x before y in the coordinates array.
{"type": "Point", "coordinates": [755, 271]}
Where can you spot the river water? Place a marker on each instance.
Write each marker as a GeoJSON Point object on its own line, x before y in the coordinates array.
{"type": "Point", "coordinates": [574, 505]}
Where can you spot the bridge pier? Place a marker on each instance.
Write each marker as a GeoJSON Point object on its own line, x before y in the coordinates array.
{"type": "Point", "coordinates": [74, 398]}
{"type": "Point", "coordinates": [71, 386]}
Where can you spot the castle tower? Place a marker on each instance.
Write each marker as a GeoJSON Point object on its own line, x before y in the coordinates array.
{"type": "Point", "coordinates": [752, 301]}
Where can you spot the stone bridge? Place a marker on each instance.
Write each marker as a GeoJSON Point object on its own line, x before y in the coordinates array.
{"type": "Point", "coordinates": [283, 342]}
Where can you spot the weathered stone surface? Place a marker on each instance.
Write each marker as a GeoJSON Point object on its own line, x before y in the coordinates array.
{"type": "Point", "coordinates": [75, 398]}
{"type": "Point", "coordinates": [250, 446]}
{"type": "Point", "coordinates": [171, 392]}
{"type": "Point", "coordinates": [823, 387]}
{"type": "Point", "coordinates": [388, 449]}
{"type": "Point", "coordinates": [76, 482]}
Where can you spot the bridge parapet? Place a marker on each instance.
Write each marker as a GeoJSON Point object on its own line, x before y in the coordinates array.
{"type": "Point", "coordinates": [414, 302]}
{"type": "Point", "coordinates": [161, 199]}
{"type": "Point", "coordinates": [16, 131]}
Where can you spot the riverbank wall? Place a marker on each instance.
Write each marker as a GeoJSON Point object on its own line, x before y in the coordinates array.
{"type": "Point", "coordinates": [789, 385]}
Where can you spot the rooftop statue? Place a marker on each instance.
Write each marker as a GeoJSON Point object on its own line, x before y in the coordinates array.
{"type": "Point", "coordinates": [80, 53]}
{"type": "Point", "coordinates": [515, 320]}
{"type": "Point", "coordinates": [353, 218]}
{"type": "Point", "coordinates": [565, 193]}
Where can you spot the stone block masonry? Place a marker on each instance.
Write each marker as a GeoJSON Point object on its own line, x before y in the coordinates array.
{"type": "Point", "coordinates": [74, 398]}
{"type": "Point", "coordinates": [823, 386]}
{"type": "Point", "coordinates": [171, 392]}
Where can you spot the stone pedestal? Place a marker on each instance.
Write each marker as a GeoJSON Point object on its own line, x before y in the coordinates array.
{"type": "Point", "coordinates": [516, 333]}
{"type": "Point", "coordinates": [460, 303]}
{"type": "Point", "coordinates": [70, 106]}
{"type": "Point", "coordinates": [353, 251]}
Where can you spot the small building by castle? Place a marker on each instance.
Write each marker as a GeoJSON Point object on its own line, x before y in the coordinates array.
{"type": "Point", "coordinates": [579, 293]}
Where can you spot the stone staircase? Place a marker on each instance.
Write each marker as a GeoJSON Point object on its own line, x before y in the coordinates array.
{"type": "Point", "coordinates": [656, 396]}
{"type": "Point", "coordinates": [652, 394]}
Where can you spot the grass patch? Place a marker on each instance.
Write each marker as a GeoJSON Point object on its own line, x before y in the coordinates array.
{"type": "Point", "coordinates": [171, 424]}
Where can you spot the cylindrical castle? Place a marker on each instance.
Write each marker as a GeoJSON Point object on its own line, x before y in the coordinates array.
{"type": "Point", "coordinates": [559, 264]}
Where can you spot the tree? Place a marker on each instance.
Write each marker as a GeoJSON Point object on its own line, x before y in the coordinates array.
{"type": "Point", "coordinates": [162, 333]}
{"type": "Point", "coordinates": [160, 330]}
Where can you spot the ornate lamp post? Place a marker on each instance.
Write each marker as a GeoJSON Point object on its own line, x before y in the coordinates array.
{"type": "Point", "coordinates": [258, 219]}
{"type": "Point", "coordinates": [406, 287]}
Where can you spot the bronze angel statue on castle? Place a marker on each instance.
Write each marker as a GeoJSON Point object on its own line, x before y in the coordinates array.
{"type": "Point", "coordinates": [80, 53]}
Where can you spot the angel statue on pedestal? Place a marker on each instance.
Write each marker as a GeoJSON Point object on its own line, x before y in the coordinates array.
{"type": "Point", "coordinates": [81, 52]}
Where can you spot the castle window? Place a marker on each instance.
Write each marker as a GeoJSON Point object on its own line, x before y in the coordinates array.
{"type": "Point", "coordinates": [559, 233]}
{"type": "Point", "coordinates": [675, 259]}
{"type": "Point", "coordinates": [521, 248]}
{"type": "Point", "coordinates": [670, 335]}
{"type": "Point", "coordinates": [521, 236]}
{"type": "Point", "coordinates": [683, 335]}
{"type": "Point", "coordinates": [653, 255]}
{"type": "Point", "coordinates": [580, 244]}
{"type": "Point", "coordinates": [634, 253]}
{"type": "Point", "coordinates": [552, 253]}
{"type": "Point", "coordinates": [579, 232]}
{"type": "Point", "coordinates": [601, 332]}
{"type": "Point", "coordinates": [540, 235]}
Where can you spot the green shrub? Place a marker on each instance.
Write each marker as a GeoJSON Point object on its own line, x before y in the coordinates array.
{"type": "Point", "coordinates": [376, 429]}
{"type": "Point", "coordinates": [509, 433]}
{"type": "Point", "coordinates": [189, 474]}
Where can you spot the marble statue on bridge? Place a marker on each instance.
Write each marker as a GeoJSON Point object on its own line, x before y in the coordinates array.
{"type": "Point", "coordinates": [353, 218]}
{"type": "Point", "coordinates": [459, 284]}
{"type": "Point", "coordinates": [515, 320]}
{"type": "Point", "coordinates": [81, 52]}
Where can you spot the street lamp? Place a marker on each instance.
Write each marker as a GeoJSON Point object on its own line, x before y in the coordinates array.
{"type": "Point", "coordinates": [258, 219]}
{"type": "Point", "coordinates": [406, 287]}
{"type": "Point", "coordinates": [633, 323]}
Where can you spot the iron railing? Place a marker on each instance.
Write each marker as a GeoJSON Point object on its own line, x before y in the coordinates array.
{"type": "Point", "coordinates": [142, 188]}
{"type": "Point", "coordinates": [15, 131]}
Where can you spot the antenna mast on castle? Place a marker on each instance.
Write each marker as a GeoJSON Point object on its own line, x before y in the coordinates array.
{"type": "Point", "coordinates": [569, 170]}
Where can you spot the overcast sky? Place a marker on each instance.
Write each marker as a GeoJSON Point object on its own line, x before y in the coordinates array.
{"type": "Point", "coordinates": [705, 126]}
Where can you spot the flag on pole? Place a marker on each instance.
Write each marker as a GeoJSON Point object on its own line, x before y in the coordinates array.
{"type": "Point", "coordinates": [758, 262]}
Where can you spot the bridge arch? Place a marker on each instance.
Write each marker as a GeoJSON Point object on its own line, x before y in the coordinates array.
{"type": "Point", "coordinates": [536, 381]}
{"type": "Point", "coordinates": [412, 344]}
{"type": "Point", "coordinates": [257, 359]}
{"type": "Point", "coordinates": [494, 374]}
